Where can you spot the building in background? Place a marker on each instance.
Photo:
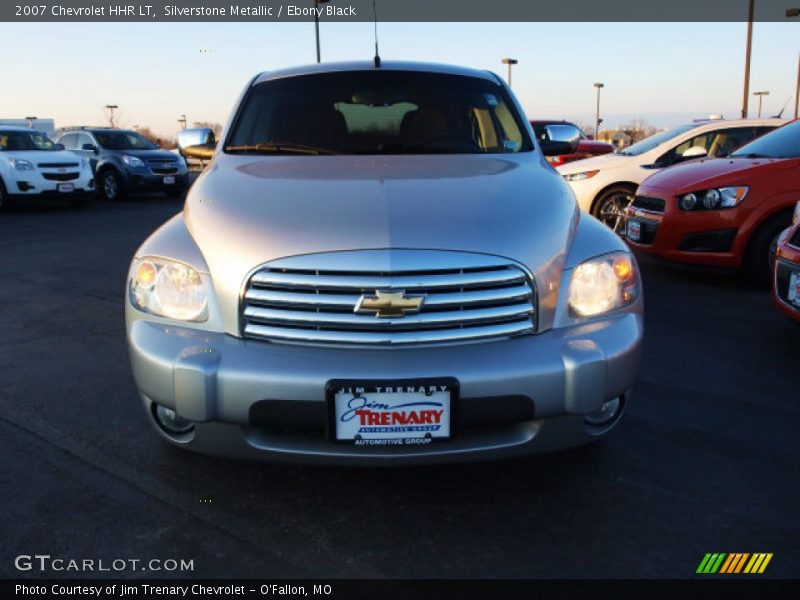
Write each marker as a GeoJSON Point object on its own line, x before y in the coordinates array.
{"type": "Point", "coordinates": [45, 125]}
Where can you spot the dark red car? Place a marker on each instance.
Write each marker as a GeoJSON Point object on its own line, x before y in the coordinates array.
{"type": "Point", "coordinates": [725, 212]}
{"type": "Point", "coordinates": [564, 131]}
{"type": "Point", "coordinates": [786, 284]}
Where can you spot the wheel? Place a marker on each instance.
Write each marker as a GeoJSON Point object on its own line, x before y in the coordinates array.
{"type": "Point", "coordinates": [5, 201]}
{"type": "Point", "coordinates": [110, 185]}
{"type": "Point", "coordinates": [174, 192]}
{"type": "Point", "coordinates": [758, 259]}
{"type": "Point", "coordinates": [610, 206]}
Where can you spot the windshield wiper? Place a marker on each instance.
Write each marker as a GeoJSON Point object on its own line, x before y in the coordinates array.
{"type": "Point", "coordinates": [279, 148]}
{"type": "Point", "coordinates": [750, 155]}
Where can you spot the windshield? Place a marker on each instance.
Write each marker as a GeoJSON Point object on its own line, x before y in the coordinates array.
{"type": "Point", "coordinates": [123, 140]}
{"type": "Point", "coordinates": [25, 140]}
{"type": "Point", "coordinates": [783, 142]}
{"type": "Point", "coordinates": [656, 140]}
{"type": "Point", "coordinates": [378, 112]}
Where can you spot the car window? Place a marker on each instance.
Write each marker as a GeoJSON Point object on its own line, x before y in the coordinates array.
{"type": "Point", "coordinates": [783, 142]}
{"type": "Point", "coordinates": [379, 112]}
{"type": "Point", "coordinates": [84, 138]}
{"type": "Point", "coordinates": [720, 142]}
{"type": "Point", "coordinates": [123, 140]}
{"type": "Point", "coordinates": [24, 140]}
{"type": "Point", "coordinates": [69, 141]}
{"type": "Point", "coordinates": [654, 141]}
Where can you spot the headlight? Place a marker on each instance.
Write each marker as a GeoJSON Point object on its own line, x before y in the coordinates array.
{"type": "Point", "coordinates": [727, 197]}
{"type": "Point", "coordinates": [603, 284]}
{"type": "Point", "coordinates": [132, 161]}
{"type": "Point", "coordinates": [168, 289]}
{"type": "Point", "coordinates": [580, 176]}
{"type": "Point", "coordinates": [22, 165]}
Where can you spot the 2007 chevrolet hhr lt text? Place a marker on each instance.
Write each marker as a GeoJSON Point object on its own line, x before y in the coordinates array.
{"type": "Point", "coordinates": [380, 267]}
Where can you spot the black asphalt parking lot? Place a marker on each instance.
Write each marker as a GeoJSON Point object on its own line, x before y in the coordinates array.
{"type": "Point", "coordinates": [706, 459]}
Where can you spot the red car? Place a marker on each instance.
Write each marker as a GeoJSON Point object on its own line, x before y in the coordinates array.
{"type": "Point", "coordinates": [786, 285]}
{"type": "Point", "coordinates": [564, 131]}
{"type": "Point", "coordinates": [726, 212]}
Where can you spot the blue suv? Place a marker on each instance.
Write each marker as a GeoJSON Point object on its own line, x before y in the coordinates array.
{"type": "Point", "coordinates": [125, 161]}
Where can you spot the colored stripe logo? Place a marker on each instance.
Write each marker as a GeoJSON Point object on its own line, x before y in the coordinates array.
{"type": "Point", "coordinates": [734, 563]}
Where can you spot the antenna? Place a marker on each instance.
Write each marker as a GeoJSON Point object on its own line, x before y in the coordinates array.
{"type": "Point", "coordinates": [780, 114]}
{"type": "Point", "coordinates": [377, 59]}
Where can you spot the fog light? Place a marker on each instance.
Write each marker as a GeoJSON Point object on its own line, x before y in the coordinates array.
{"type": "Point", "coordinates": [607, 413]}
{"type": "Point", "coordinates": [171, 421]}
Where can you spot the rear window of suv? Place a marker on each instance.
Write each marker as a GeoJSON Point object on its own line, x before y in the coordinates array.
{"type": "Point", "coordinates": [379, 112]}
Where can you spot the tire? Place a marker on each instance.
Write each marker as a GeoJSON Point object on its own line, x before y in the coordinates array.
{"type": "Point", "coordinates": [174, 192]}
{"type": "Point", "coordinates": [5, 201]}
{"type": "Point", "coordinates": [758, 259]}
{"type": "Point", "coordinates": [110, 185]}
{"type": "Point", "coordinates": [609, 207]}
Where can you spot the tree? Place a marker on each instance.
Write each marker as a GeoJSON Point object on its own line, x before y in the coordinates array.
{"type": "Point", "coordinates": [638, 129]}
{"type": "Point", "coordinates": [149, 134]}
{"type": "Point", "coordinates": [215, 127]}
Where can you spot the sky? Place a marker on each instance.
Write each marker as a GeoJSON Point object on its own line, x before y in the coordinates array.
{"type": "Point", "coordinates": [665, 73]}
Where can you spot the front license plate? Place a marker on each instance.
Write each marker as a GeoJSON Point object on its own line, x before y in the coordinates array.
{"type": "Point", "coordinates": [169, 180]}
{"type": "Point", "coordinates": [634, 230]}
{"type": "Point", "coordinates": [794, 288]}
{"type": "Point", "coordinates": [66, 187]}
{"type": "Point", "coordinates": [392, 413]}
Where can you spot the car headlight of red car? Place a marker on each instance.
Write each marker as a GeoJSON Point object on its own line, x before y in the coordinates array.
{"type": "Point", "coordinates": [713, 199]}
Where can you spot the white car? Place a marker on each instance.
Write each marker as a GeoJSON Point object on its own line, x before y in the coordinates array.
{"type": "Point", "coordinates": [32, 166]}
{"type": "Point", "coordinates": [605, 185]}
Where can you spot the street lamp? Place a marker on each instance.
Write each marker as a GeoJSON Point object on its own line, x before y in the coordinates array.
{"type": "Point", "coordinates": [111, 108]}
{"type": "Point", "coordinates": [748, 51]}
{"type": "Point", "coordinates": [597, 119]}
{"type": "Point", "coordinates": [510, 62]}
{"type": "Point", "coordinates": [760, 98]}
{"type": "Point", "coordinates": [316, 23]}
{"type": "Point", "coordinates": [182, 122]}
{"type": "Point", "coordinates": [31, 121]}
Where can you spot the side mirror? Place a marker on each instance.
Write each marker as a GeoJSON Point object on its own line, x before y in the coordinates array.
{"type": "Point", "coordinates": [58, 146]}
{"type": "Point", "coordinates": [694, 152]}
{"type": "Point", "coordinates": [199, 151]}
{"type": "Point", "coordinates": [552, 148]}
{"type": "Point", "coordinates": [89, 147]}
{"type": "Point", "coordinates": [198, 136]}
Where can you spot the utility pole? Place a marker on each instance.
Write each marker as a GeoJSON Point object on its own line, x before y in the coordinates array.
{"type": "Point", "coordinates": [760, 98]}
{"type": "Point", "coordinates": [316, 24]}
{"type": "Point", "coordinates": [510, 62]}
{"type": "Point", "coordinates": [111, 108]}
{"type": "Point", "coordinates": [747, 58]}
{"type": "Point", "coordinates": [597, 119]}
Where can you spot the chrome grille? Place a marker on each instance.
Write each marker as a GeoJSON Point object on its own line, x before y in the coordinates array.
{"type": "Point", "coordinates": [315, 306]}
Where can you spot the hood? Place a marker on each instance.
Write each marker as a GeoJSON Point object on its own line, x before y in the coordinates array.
{"type": "Point", "coordinates": [150, 154]}
{"type": "Point", "coordinates": [245, 210]}
{"type": "Point", "coordinates": [595, 163]}
{"type": "Point", "coordinates": [715, 172]}
{"type": "Point", "coordinates": [44, 156]}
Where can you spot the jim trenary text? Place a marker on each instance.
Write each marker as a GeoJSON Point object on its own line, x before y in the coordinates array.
{"type": "Point", "coordinates": [142, 590]}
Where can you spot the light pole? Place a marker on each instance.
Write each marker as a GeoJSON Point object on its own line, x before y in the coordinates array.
{"type": "Point", "coordinates": [111, 108]}
{"type": "Point", "coordinates": [795, 12]}
{"type": "Point", "coordinates": [31, 121]}
{"type": "Point", "coordinates": [760, 98]}
{"type": "Point", "coordinates": [510, 62]}
{"type": "Point", "coordinates": [182, 122]}
{"type": "Point", "coordinates": [747, 58]}
{"type": "Point", "coordinates": [597, 119]}
{"type": "Point", "coordinates": [316, 23]}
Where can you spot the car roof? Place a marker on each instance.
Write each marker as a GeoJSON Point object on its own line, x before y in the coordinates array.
{"type": "Point", "coordinates": [551, 122]}
{"type": "Point", "coordinates": [725, 123]}
{"type": "Point", "coordinates": [368, 65]}
{"type": "Point", "coordinates": [18, 128]}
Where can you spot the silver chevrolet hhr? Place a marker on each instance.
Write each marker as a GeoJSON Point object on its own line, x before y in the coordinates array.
{"type": "Point", "coordinates": [380, 267]}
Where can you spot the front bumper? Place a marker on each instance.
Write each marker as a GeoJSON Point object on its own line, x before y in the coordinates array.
{"type": "Point", "coordinates": [145, 181]}
{"type": "Point", "coordinates": [253, 399]}
{"type": "Point", "coordinates": [787, 263]}
{"type": "Point", "coordinates": [708, 238]}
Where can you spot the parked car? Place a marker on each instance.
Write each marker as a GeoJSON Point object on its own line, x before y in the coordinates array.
{"type": "Point", "coordinates": [33, 167]}
{"type": "Point", "coordinates": [725, 212]}
{"type": "Point", "coordinates": [125, 161]}
{"type": "Point", "coordinates": [605, 185]}
{"type": "Point", "coordinates": [380, 267]}
{"type": "Point", "coordinates": [564, 131]}
{"type": "Point", "coordinates": [786, 283]}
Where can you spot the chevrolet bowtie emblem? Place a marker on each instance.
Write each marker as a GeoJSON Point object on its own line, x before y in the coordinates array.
{"type": "Point", "coordinates": [388, 304]}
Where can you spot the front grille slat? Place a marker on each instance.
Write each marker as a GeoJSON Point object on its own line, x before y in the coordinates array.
{"type": "Point", "coordinates": [656, 205]}
{"type": "Point", "coordinates": [72, 165]}
{"type": "Point", "coordinates": [60, 176]}
{"type": "Point", "coordinates": [318, 307]}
